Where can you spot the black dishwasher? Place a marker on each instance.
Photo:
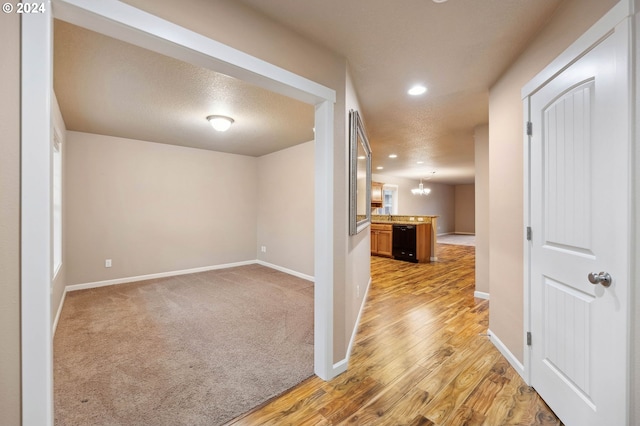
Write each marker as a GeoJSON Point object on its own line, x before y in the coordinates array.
{"type": "Point", "coordinates": [404, 243]}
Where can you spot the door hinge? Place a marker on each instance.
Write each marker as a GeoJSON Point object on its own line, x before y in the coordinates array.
{"type": "Point", "coordinates": [529, 128]}
{"type": "Point", "coordinates": [528, 338]}
{"type": "Point", "coordinates": [529, 233]}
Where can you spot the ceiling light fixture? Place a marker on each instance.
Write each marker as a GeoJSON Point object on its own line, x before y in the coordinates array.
{"type": "Point", "coordinates": [439, 1]}
{"type": "Point", "coordinates": [393, 156]}
{"type": "Point", "coordinates": [379, 168]}
{"type": "Point", "coordinates": [220, 123]}
{"type": "Point", "coordinates": [416, 90]}
{"type": "Point", "coordinates": [420, 190]}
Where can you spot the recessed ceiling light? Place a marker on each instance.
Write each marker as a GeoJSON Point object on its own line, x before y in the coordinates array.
{"type": "Point", "coordinates": [416, 90]}
{"type": "Point", "coordinates": [393, 156]}
{"type": "Point", "coordinates": [439, 1]}
{"type": "Point", "coordinates": [420, 162]}
{"type": "Point", "coordinates": [379, 168]}
{"type": "Point", "coordinates": [362, 157]}
{"type": "Point", "coordinates": [220, 123]}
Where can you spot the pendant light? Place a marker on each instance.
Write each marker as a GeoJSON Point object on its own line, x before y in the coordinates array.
{"type": "Point", "coordinates": [420, 190]}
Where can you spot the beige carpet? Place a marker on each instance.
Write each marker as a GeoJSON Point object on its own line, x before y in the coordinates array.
{"type": "Point", "coordinates": [457, 239]}
{"type": "Point", "coordinates": [196, 349]}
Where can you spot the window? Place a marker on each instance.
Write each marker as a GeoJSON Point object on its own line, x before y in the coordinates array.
{"type": "Point", "coordinates": [56, 170]}
{"type": "Point", "coordinates": [390, 199]}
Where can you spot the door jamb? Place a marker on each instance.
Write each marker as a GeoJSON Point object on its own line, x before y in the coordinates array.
{"type": "Point", "coordinates": [575, 51]}
{"type": "Point", "coordinates": [123, 21]}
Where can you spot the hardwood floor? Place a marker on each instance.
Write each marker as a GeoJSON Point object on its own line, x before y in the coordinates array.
{"type": "Point", "coordinates": [421, 357]}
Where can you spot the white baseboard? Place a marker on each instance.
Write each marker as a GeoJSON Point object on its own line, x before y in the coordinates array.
{"type": "Point", "coordinates": [481, 295]}
{"type": "Point", "coordinates": [464, 233]}
{"type": "Point", "coordinates": [286, 270]}
{"type": "Point", "coordinates": [433, 259]}
{"type": "Point", "coordinates": [341, 366]}
{"type": "Point", "coordinates": [517, 365]}
{"type": "Point", "coordinates": [126, 280]}
{"type": "Point", "coordinates": [57, 318]}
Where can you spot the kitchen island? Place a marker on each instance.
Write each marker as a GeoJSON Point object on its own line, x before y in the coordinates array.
{"type": "Point", "coordinates": [409, 238]}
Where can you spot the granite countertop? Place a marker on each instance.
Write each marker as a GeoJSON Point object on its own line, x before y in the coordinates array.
{"type": "Point", "coordinates": [402, 219]}
{"type": "Point", "coordinates": [397, 222]}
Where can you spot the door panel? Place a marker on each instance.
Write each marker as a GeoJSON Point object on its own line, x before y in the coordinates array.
{"type": "Point", "coordinates": [579, 208]}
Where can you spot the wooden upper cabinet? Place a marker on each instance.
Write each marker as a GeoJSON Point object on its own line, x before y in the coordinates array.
{"type": "Point", "coordinates": [376, 194]}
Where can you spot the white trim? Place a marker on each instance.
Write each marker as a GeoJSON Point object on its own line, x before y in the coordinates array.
{"type": "Point", "coordinates": [579, 48]}
{"type": "Point", "coordinates": [526, 251]}
{"type": "Point", "coordinates": [481, 295]}
{"type": "Point", "coordinates": [126, 23]}
{"type": "Point", "coordinates": [433, 258]}
{"type": "Point", "coordinates": [341, 366]}
{"type": "Point", "coordinates": [151, 32]}
{"type": "Point", "coordinates": [125, 280]}
{"type": "Point", "coordinates": [324, 241]}
{"type": "Point", "coordinates": [35, 228]}
{"type": "Point", "coordinates": [58, 313]}
{"type": "Point", "coordinates": [511, 358]}
{"type": "Point", "coordinates": [596, 33]}
{"type": "Point", "coordinates": [286, 270]}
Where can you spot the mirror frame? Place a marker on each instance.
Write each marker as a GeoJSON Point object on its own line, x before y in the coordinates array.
{"type": "Point", "coordinates": [358, 139]}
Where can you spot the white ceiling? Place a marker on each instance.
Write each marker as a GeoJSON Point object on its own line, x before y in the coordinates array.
{"type": "Point", "coordinates": [458, 49]}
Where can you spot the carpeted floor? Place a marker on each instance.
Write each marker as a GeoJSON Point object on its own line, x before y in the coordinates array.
{"type": "Point", "coordinates": [457, 239]}
{"type": "Point", "coordinates": [196, 349]}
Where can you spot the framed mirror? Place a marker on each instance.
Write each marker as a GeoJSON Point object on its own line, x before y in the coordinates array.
{"type": "Point", "coordinates": [359, 175]}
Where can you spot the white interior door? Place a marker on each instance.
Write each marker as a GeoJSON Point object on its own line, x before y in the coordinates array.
{"type": "Point", "coordinates": [579, 207]}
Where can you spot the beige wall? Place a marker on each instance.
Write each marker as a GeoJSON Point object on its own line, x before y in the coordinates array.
{"type": "Point", "coordinates": [60, 281]}
{"type": "Point", "coordinates": [440, 202]}
{"type": "Point", "coordinates": [481, 137]}
{"type": "Point", "coordinates": [10, 220]}
{"type": "Point", "coordinates": [465, 213]}
{"type": "Point", "coordinates": [572, 18]}
{"type": "Point", "coordinates": [358, 249]}
{"type": "Point", "coordinates": [155, 208]}
{"type": "Point", "coordinates": [285, 216]}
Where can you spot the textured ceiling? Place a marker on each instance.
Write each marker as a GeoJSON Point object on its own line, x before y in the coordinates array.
{"type": "Point", "coordinates": [458, 49]}
{"type": "Point", "coordinates": [113, 88]}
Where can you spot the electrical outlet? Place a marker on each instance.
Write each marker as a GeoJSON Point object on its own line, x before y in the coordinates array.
{"type": "Point", "coordinates": [107, 263]}
{"type": "Point", "coordinates": [263, 249]}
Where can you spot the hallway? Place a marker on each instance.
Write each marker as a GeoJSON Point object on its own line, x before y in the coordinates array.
{"type": "Point", "coordinates": [421, 357]}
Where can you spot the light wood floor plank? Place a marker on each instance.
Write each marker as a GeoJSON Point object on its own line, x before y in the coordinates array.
{"type": "Point", "coordinates": [421, 358]}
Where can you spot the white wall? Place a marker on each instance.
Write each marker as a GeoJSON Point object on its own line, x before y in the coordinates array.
{"type": "Point", "coordinates": [440, 202]}
{"type": "Point", "coordinates": [285, 216]}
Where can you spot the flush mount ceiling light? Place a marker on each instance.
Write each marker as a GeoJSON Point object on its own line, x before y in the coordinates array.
{"type": "Point", "coordinates": [393, 156]}
{"type": "Point", "coordinates": [439, 1]}
{"type": "Point", "coordinates": [220, 123]}
{"type": "Point", "coordinates": [417, 90]}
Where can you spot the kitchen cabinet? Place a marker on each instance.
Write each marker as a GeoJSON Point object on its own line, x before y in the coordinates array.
{"type": "Point", "coordinates": [381, 239]}
{"type": "Point", "coordinates": [376, 194]}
